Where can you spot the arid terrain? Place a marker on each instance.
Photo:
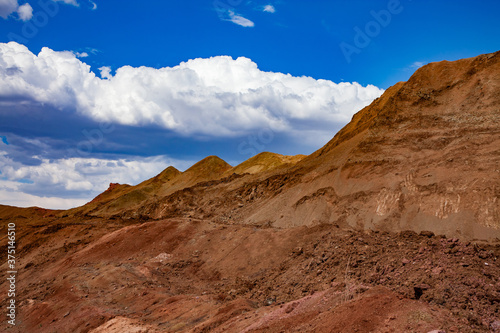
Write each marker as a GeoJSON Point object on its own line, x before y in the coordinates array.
{"type": "Point", "coordinates": [392, 226]}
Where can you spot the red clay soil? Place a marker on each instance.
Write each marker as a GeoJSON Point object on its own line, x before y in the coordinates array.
{"type": "Point", "coordinates": [198, 276]}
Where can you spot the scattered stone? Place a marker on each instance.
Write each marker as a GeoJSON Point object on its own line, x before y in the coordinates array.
{"type": "Point", "coordinates": [483, 255]}
{"type": "Point", "coordinates": [270, 301]}
{"type": "Point", "coordinates": [297, 251]}
{"type": "Point", "coordinates": [162, 257]}
{"type": "Point", "coordinates": [437, 270]}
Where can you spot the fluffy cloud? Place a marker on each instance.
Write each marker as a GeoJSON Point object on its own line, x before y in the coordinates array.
{"type": "Point", "coordinates": [71, 182]}
{"type": "Point", "coordinates": [269, 9]}
{"type": "Point", "coordinates": [25, 12]}
{"type": "Point", "coordinates": [219, 96]}
{"type": "Point", "coordinates": [105, 72]}
{"type": "Point", "coordinates": [7, 7]}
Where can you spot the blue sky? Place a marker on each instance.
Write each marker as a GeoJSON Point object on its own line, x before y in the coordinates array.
{"type": "Point", "coordinates": [163, 93]}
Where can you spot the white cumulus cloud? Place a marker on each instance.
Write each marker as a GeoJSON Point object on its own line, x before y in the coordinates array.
{"type": "Point", "coordinates": [269, 9]}
{"type": "Point", "coordinates": [214, 97]}
{"type": "Point", "coordinates": [218, 96]}
{"type": "Point", "coordinates": [25, 12]}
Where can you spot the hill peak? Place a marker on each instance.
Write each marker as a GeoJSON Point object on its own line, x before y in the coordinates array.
{"type": "Point", "coordinates": [168, 174]}
{"type": "Point", "coordinates": [265, 161]}
{"type": "Point", "coordinates": [113, 190]}
{"type": "Point", "coordinates": [209, 165]}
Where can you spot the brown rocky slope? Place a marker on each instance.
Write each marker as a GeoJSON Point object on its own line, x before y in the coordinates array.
{"type": "Point", "coordinates": [424, 156]}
